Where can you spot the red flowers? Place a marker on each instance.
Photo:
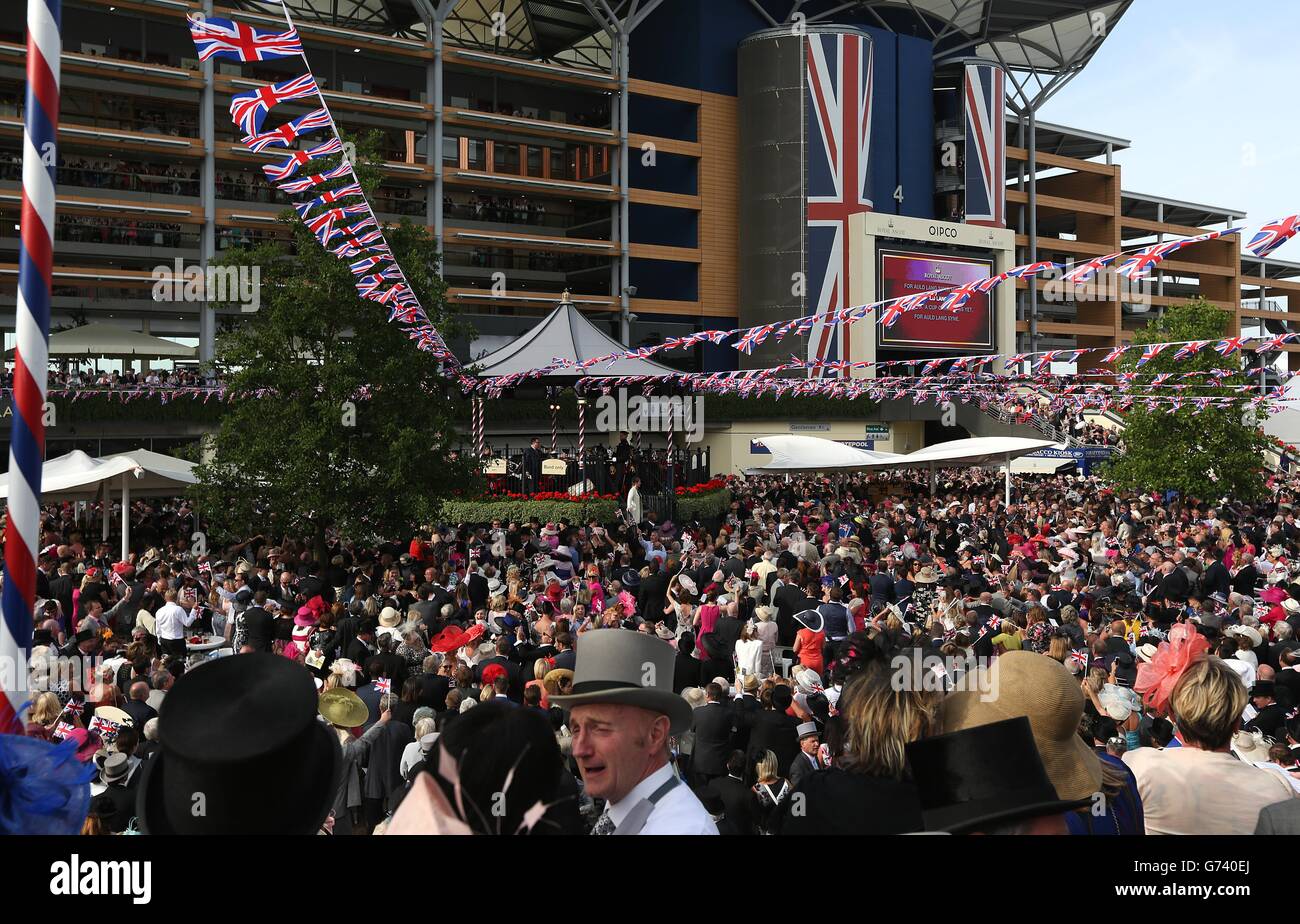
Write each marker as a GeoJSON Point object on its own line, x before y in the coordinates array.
{"type": "Point", "coordinates": [714, 484]}
{"type": "Point", "coordinates": [552, 496]}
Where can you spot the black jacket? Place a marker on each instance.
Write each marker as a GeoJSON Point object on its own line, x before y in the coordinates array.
{"type": "Point", "coordinates": [686, 672]}
{"type": "Point", "coordinates": [734, 800]}
{"type": "Point", "coordinates": [712, 725]}
{"type": "Point", "coordinates": [839, 802]}
{"type": "Point", "coordinates": [776, 732]}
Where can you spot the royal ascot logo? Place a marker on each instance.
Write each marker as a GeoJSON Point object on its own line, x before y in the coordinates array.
{"type": "Point", "coordinates": [241, 285]}
{"type": "Point", "coordinates": [76, 876]}
{"type": "Point", "coordinates": [639, 414]}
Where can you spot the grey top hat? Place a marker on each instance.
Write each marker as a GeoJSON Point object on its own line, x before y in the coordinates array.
{"type": "Point", "coordinates": [630, 669]}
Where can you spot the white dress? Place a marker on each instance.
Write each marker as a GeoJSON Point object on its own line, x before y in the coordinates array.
{"type": "Point", "coordinates": [748, 655]}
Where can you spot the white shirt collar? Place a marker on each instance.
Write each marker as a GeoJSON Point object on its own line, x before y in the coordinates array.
{"type": "Point", "coordinates": [642, 790]}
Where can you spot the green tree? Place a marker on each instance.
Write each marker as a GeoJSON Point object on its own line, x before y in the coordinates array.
{"type": "Point", "coordinates": [352, 431]}
{"type": "Point", "coordinates": [1201, 452]}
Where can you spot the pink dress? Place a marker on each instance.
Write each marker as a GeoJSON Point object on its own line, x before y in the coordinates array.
{"type": "Point", "coordinates": [709, 614]}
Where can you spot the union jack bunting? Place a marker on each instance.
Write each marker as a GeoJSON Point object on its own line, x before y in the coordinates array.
{"type": "Point", "coordinates": [248, 110]}
{"type": "Point", "coordinates": [838, 102]}
{"type": "Point", "coordinates": [294, 187]}
{"type": "Point", "coordinates": [361, 225]}
{"type": "Point", "coordinates": [371, 240]}
{"type": "Point", "coordinates": [1138, 265]}
{"type": "Point", "coordinates": [1151, 352]}
{"type": "Point", "coordinates": [346, 250]}
{"type": "Point", "coordinates": [1273, 235]}
{"type": "Point", "coordinates": [1045, 360]}
{"type": "Point", "coordinates": [1275, 343]}
{"type": "Point", "coordinates": [331, 196]}
{"type": "Point", "coordinates": [283, 136]}
{"type": "Point", "coordinates": [368, 284]}
{"type": "Point", "coordinates": [1191, 349]}
{"type": "Point", "coordinates": [753, 337]}
{"type": "Point", "coordinates": [368, 263]}
{"type": "Point", "coordinates": [889, 317]}
{"type": "Point", "coordinates": [408, 315]}
{"type": "Point", "coordinates": [1229, 346]}
{"type": "Point", "coordinates": [984, 286]}
{"type": "Point", "coordinates": [931, 366]}
{"type": "Point", "coordinates": [1084, 271]}
{"type": "Point", "coordinates": [1013, 361]}
{"type": "Point", "coordinates": [289, 166]}
{"type": "Point", "coordinates": [1030, 269]}
{"type": "Point", "coordinates": [225, 38]}
{"type": "Point", "coordinates": [957, 298]}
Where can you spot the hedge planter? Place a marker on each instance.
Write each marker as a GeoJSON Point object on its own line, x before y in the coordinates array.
{"type": "Point", "coordinates": [484, 510]}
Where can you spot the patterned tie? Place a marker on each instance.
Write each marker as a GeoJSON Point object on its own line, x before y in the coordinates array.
{"type": "Point", "coordinates": [604, 825]}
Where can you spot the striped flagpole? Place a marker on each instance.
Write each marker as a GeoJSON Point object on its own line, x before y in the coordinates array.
{"type": "Point", "coordinates": [31, 352]}
{"type": "Point", "coordinates": [478, 427]}
{"type": "Point", "coordinates": [582, 440]}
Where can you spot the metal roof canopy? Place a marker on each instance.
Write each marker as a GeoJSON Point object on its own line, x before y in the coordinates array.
{"type": "Point", "coordinates": [564, 31]}
{"type": "Point", "coordinates": [108, 340]}
{"type": "Point", "coordinates": [1176, 211]}
{"type": "Point", "coordinates": [563, 334]}
{"type": "Point", "coordinates": [1273, 268]}
{"type": "Point", "coordinates": [1070, 142]}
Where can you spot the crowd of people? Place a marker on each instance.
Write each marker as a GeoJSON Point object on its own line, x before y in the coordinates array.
{"type": "Point", "coordinates": [864, 657]}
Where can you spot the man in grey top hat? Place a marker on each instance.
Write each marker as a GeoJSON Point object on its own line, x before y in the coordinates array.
{"type": "Point", "coordinates": [622, 712]}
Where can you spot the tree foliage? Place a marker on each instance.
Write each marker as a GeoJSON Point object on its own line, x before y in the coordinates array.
{"type": "Point", "coordinates": [1201, 452]}
{"type": "Point", "coordinates": [316, 451]}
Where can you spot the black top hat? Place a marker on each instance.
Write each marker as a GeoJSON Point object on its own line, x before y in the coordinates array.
{"type": "Point", "coordinates": [243, 732]}
{"type": "Point", "coordinates": [982, 775]}
{"type": "Point", "coordinates": [1262, 688]}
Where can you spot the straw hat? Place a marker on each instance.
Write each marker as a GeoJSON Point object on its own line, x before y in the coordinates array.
{"type": "Point", "coordinates": [1027, 684]}
{"type": "Point", "coordinates": [340, 706]}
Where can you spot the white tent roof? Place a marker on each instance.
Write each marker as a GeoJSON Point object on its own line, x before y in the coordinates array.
{"type": "Point", "coordinates": [110, 340]}
{"type": "Point", "coordinates": [792, 453]}
{"type": "Point", "coordinates": [1285, 422]}
{"type": "Point", "coordinates": [78, 476]}
{"type": "Point", "coordinates": [984, 450]}
{"type": "Point", "coordinates": [563, 334]}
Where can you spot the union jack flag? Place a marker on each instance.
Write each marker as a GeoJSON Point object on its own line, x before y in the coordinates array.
{"type": "Point", "coordinates": [889, 317]}
{"type": "Point", "coordinates": [361, 225]}
{"type": "Point", "coordinates": [408, 315]}
{"type": "Point", "coordinates": [368, 263]}
{"type": "Point", "coordinates": [932, 365]}
{"type": "Point", "coordinates": [1151, 352]}
{"type": "Point", "coordinates": [957, 298]}
{"type": "Point", "coordinates": [1030, 269]}
{"type": "Point", "coordinates": [225, 38]}
{"type": "Point", "coordinates": [985, 286]}
{"type": "Point", "coordinates": [1229, 346]}
{"type": "Point", "coordinates": [1191, 349]}
{"type": "Point", "coordinates": [346, 250]}
{"type": "Point", "coordinates": [1045, 360]}
{"type": "Point", "coordinates": [331, 196]}
{"type": "Point", "coordinates": [369, 284]}
{"type": "Point", "coordinates": [1275, 343]}
{"type": "Point", "coordinates": [383, 685]}
{"type": "Point", "coordinates": [1013, 361]}
{"type": "Point", "coordinates": [1138, 265]}
{"type": "Point", "coordinates": [289, 166]}
{"type": "Point", "coordinates": [1084, 271]}
{"type": "Point", "coordinates": [296, 186]}
{"type": "Point", "coordinates": [248, 110]}
{"type": "Point", "coordinates": [753, 337]}
{"type": "Point", "coordinates": [1114, 355]}
{"type": "Point", "coordinates": [288, 132]}
{"type": "Point", "coordinates": [986, 148]}
{"type": "Point", "coordinates": [839, 93]}
{"type": "Point", "coordinates": [1273, 235]}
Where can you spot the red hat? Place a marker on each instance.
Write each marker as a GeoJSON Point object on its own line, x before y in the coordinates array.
{"type": "Point", "coordinates": [492, 672]}
{"type": "Point", "coordinates": [554, 592]}
{"type": "Point", "coordinates": [449, 639]}
{"type": "Point", "coordinates": [123, 568]}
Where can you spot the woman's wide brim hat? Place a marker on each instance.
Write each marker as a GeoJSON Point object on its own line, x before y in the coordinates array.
{"type": "Point", "coordinates": [341, 707]}
{"type": "Point", "coordinates": [242, 733]}
{"type": "Point", "coordinates": [627, 669]}
{"type": "Point", "coordinates": [811, 619]}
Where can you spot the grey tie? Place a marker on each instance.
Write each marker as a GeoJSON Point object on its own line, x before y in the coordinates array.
{"type": "Point", "coordinates": [604, 825]}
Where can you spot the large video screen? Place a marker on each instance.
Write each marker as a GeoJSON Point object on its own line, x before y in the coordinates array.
{"type": "Point", "coordinates": [902, 273]}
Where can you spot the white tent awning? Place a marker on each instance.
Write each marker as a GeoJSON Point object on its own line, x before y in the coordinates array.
{"type": "Point", "coordinates": [99, 339]}
{"type": "Point", "coordinates": [563, 334]}
{"type": "Point", "coordinates": [793, 453]}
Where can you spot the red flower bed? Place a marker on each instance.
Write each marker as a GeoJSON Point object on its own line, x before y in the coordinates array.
{"type": "Point", "coordinates": [552, 496]}
{"type": "Point", "coordinates": [715, 484]}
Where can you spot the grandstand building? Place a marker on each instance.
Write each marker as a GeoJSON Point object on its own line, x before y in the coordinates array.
{"type": "Point", "coordinates": [677, 165]}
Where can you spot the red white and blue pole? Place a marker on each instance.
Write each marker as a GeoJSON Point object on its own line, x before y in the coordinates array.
{"type": "Point", "coordinates": [32, 330]}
